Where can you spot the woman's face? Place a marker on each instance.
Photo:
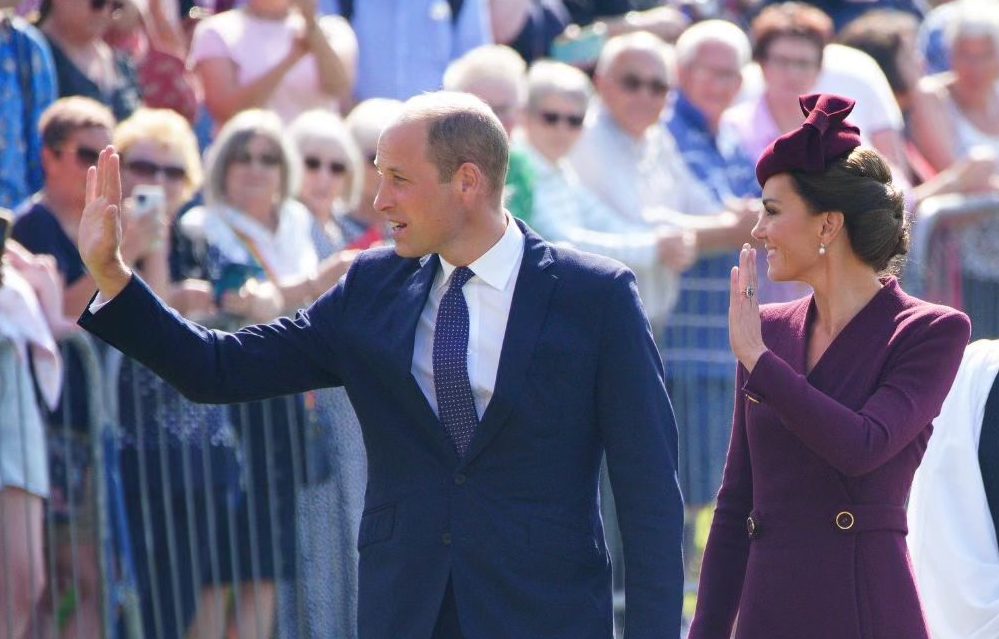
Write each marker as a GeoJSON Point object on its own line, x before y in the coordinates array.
{"type": "Point", "coordinates": [553, 127]}
{"type": "Point", "coordinates": [268, 7]}
{"type": "Point", "coordinates": [86, 19]}
{"type": "Point", "coordinates": [253, 177]}
{"type": "Point", "coordinates": [791, 67]}
{"type": "Point", "coordinates": [975, 62]}
{"type": "Point", "coordinates": [152, 162]}
{"type": "Point", "coordinates": [788, 231]}
{"type": "Point", "coordinates": [325, 173]}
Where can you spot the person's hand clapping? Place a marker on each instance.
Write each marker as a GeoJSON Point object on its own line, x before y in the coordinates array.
{"type": "Point", "coordinates": [677, 249]}
{"type": "Point", "coordinates": [744, 328]}
{"type": "Point", "coordinates": [100, 234]}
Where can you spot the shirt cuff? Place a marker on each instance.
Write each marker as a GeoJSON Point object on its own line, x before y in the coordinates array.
{"type": "Point", "coordinates": [98, 303]}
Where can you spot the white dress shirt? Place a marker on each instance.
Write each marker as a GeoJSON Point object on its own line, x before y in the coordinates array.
{"type": "Point", "coordinates": [489, 295]}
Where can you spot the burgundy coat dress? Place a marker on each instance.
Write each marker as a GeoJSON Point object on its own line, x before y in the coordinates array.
{"type": "Point", "coordinates": [808, 538]}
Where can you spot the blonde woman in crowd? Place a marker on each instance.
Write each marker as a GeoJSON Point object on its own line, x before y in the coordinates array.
{"type": "Point", "coordinates": [179, 461]}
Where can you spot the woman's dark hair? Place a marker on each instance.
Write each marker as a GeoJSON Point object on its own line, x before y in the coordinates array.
{"type": "Point", "coordinates": [790, 20]}
{"type": "Point", "coordinates": [880, 34]}
{"type": "Point", "coordinates": [859, 186]}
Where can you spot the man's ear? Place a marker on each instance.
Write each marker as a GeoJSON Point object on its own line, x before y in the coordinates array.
{"type": "Point", "coordinates": [469, 179]}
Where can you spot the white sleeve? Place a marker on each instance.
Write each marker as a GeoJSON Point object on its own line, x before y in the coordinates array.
{"type": "Point", "coordinates": [952, 540]}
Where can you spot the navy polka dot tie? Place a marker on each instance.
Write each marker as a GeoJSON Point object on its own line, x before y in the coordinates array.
{"type": "Point", "coordinates": [455, 404]}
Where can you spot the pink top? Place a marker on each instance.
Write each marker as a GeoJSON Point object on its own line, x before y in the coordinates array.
{"type": "Point", "coordinates": [256, 45]}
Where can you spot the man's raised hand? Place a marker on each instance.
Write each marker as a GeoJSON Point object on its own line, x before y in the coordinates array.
{"type": "Point", "coordinates": [99, 237]}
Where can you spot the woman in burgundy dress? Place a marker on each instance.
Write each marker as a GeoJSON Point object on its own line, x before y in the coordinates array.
{"type": "Point", "coordinates": [836, 393]}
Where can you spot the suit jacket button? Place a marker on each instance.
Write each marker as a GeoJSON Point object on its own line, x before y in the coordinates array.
{"type": "Point", "coordinates": [446, 539]}
{"type": "Point", "coordinates": [459, 479]}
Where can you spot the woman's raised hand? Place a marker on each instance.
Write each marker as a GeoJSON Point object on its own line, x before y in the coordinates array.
{"type": "Point", "coordinates": [99, 237]}
{"type": "Point", "coordinates": [744, 327]}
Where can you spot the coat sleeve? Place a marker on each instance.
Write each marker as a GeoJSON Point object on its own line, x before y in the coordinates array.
{"type": "Point", "coordinates": [723, 569]}
{"type": "Point", "coordinates": [289, 355]}
{"type": "Point", "coordinates": [640, 439]}
{"type": "Point", "coordinates": [912, 388]}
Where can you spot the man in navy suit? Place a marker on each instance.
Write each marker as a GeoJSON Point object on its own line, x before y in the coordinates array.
{"type": "Point", "coordinates": [490, 371]}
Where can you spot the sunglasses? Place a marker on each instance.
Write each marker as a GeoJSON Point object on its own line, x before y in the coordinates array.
{"type": "Point", "coordinates": [85, 156]}
{"type": "Point", "coordinates": [551, 118]}
{"type": "Point", "coordinates": [633, 84]}
{"type": "Point", "coordinates": [335, 167]}
{"type": "Point", "coordinates": [149, 170]}
{"type": "Point", "coordinates": [266, 160]}
{"type": "Point", "coordinates": [99, 5]}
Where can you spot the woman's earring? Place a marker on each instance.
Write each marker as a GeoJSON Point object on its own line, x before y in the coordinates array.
{"type": "Point", "coordinates": [822, 248]}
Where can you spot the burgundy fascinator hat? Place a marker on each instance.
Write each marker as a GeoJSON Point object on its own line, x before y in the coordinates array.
{"type": "Point", "coordinates": [824, 137]}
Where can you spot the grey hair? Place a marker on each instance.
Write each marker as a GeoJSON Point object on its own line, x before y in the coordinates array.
{"type": "Point", "coordinates": [973, 19]}
{"type": "Point", "coordinates": [328, 127]}
{"type": "Point", "coordinates": [493, 61]}
{"type": "Point", "coordinates": [547, 78]}
{"type": "Point", "coordinates": [233, 137]}
{"type": "Point", "coordinates": [461, 128]}
{"type": "Point", "coordinates": [370, 117]}
{"type": "Point", "coordinates": [637, 41]}
{"type": "Point", "coordinates": [713, 31]}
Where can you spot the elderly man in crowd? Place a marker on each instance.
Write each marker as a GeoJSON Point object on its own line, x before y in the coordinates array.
{"type": "Point", "coordinates": [565, 210]}
{"type": "Point", "coordinates": [631, 161]}
{"type": "Point", "coordinates": [710, 57]}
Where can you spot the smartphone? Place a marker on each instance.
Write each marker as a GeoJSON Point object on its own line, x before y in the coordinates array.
{"type": "Point", "coordinates": [580, 47]}
{"type": "Point", "coordinates": [233, 276]}
{"type": "Point", "coordinates": [148, 198]}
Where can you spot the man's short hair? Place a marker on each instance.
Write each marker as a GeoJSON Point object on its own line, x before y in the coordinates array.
{"type": "Point", "coordinates": [714, 31]}
{"type": "Point", "coordinates": [547, 78]}
{"type": "Point", "coordinates": [493, 61]}
{"type": "Point", "coordinates": [461, 128]}
{"type": "Point", "coordinates": [637, 41]}
{"type": "Point", "coordinates": [66, 116]}
{"type": "Point", "coordinates": [973, 19]}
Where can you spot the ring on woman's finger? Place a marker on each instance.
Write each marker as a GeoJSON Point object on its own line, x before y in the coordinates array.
{"type": "Point", "coordinates": [749, 291]}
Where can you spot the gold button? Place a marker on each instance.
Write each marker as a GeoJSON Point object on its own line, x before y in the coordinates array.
{"type": "Point", "coordinates": [845, 520]}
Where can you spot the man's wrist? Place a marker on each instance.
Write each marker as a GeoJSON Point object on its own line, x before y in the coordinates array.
{"type": "Point", "coordinates": [112, 280]}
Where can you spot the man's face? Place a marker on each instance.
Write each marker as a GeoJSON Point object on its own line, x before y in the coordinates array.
{"type": "Point", "coordinates": [554, 126]}
{"type": "Point", "coordinates": [634, 90]}
{"type": "Point", "coordinates": [712, 79]}
{"type": "Point", "coordinates": [66, 167]}
{"type": "Point", "coordinates": [424, 215]}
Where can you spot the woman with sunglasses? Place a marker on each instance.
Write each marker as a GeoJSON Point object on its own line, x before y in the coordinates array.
{"type": "Point", "coordinates": [85, 64]}
{"type": "Point", "coordinates": [262, 263]}
{"type": "Point", "coordinates": [332, 176]}
{"type": "Point", "coordinates": [178, 459]}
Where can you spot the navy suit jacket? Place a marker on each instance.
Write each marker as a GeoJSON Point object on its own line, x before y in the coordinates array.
{"type": "Point", "coordinates": [516, 523]}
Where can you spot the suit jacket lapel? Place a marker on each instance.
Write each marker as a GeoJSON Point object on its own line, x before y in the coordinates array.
{"type": "Point", "coordinates": [401, 338]}
{"type": "Point", "coordinates": [535, 284]}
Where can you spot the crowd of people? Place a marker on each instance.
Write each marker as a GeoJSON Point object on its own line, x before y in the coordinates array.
{"type": "Point", "coordinates": [248, 133]}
